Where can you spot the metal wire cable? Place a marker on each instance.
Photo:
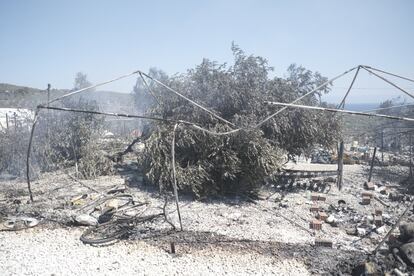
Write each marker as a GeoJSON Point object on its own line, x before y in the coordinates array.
{"type": "Point", "coordinates": [91, 87]}
{"type": "Point", "coordinates": [388, 73]}
{"type": "Point", "coordinates": [342, 104]}
{"type": "Point", "coordinates": [386, 108]}
{"type": "Point", "coordinates": [287, 105]}
{"type": "Point", "coordinates": [189, 100]}
{"type": "Point", "coordinates": [389, 82]}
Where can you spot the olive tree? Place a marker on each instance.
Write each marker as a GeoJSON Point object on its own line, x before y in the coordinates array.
{"type": "Point", "coordinates": [237, 163]}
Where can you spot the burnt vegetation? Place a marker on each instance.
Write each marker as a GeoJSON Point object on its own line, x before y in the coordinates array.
{"type": "Point", "coordinates": [237, 163]}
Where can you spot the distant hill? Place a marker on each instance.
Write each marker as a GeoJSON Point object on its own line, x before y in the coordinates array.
{"type": "Point", "coordinates": [15, 96]}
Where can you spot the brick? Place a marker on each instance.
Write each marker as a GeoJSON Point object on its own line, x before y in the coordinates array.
{"type": "Point", "coordinates": [378, 212]}
{"type": "Point", "coordinates": [369, 186]}
{"type": "Point", "coordinates": [323, 242]}
{"type": "Point", "coordinates": [369, 194]}
{"type": "Point", "coordinates": [314, 197]}
{"type": "Point", "coordinates": [322, 198]}
{"type": "Point", "coordinates": [314, 208]}
{"type": "Point", "coordinates": [322, 216]}
{"type": "Point", "coordinates": [318, 197]}
{"type": "Point", "coordinates": [378, 221]}
{"type": "Point", "coordinates": [315, 224]}
{"type": "Point", "coordinates": [366, 200]}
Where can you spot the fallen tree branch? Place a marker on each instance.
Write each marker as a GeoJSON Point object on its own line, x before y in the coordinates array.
{"type": "Point", "coordinates": [117, 157]}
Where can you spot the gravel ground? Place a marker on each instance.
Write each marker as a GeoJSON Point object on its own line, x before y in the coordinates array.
{"type": "Point", "coordinates": [59, 252]}
{"type": "Point", "coordinates": [222, 236]}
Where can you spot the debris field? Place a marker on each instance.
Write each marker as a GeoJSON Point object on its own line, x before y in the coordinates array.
{"type": "Point", "coordinates": [119, 224]}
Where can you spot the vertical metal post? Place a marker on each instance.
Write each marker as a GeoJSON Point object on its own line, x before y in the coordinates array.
{"type": "Point", "coordinates": [15, 121]}
{"type": "Point", "coordinates": [382, 146]}
{"type": "Point", "coordinates": [372, 164]}
{"type": "Point", "coordinates": [48, 94]}
{"type": "Point", "coordinates": [411, 157]}
{"type": "Point", "coordinates": [7, 121]}
{"type": "Point", "coordinates": [340, 164]}
{"type": "Point", "coordinates": [48, 112]}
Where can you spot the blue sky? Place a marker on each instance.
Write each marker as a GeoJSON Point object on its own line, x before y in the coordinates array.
{"type": "Point", "coordinates": [49, 41]}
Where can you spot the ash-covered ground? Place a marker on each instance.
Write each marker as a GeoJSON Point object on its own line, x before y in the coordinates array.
{"type": "Point", "coordinates": [232, 235]}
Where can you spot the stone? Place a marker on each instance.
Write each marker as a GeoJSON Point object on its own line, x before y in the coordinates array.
{"type": "Point", "coordinates": [370, 219]}
{"type": "Point", "coordinates": [85, 219]}
{"type": "Point", "coordinates": [322, 216]}
{"type": "Point", "coordinates": [366, 268]}
{"type": "Point", "coordinates": [366, 200]}
{"type": "Point", "coordinates": [361, 231]}
{"type": "Point", "coordinates": [330, 179]}
{"type": "Point", "coordinates": [283, 204]}
{"type": "Point", "coordinates": [386, 216]}
{"type": "Point", "coordinates": [378, 221]}
{"type": "Point", "coordinates": [352, 231]}
{"type": "Point", "coordinates": [367, 194]}
{"type": "Point", "coordinates": [369, 186]}
{"type": "Point", "coordinates": [381, 230]}
{"type": "Point", "coordinates": [330, 219]}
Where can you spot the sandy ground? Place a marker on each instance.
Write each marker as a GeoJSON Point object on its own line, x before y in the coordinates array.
{"type": "Point", "coordinates": [222, 236]}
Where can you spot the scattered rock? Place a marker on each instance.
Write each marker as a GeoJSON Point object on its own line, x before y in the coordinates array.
{"type": "Point", "coordinates": [85, 219]}
{"type": "Point", "coordinates": [366, 268]}
{"type": "Point", "coordinates": [381, 230]}
{"type": "Point", "coordinates": [283, 204]}
{"type": "Point", "coordinates": [361, 231]}
{"type": "Point", "coordinates": [369, 185]}
{"type": "Point", "coordinates": [331, 219]}
{"type": "Point", "coordinates": [352, 231]}
{"type": "Point", "coordinates": [370, 219]}
{"type": "Point", "coordinates": [330, 179]}
{"type": "Point", "coordinates": [18, 223]}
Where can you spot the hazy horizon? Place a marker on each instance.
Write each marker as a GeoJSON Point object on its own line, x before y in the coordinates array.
{"type": "Point", "coordinates": [45, 45]}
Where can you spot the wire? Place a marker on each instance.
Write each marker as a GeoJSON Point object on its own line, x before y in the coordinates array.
{"type": "Point", "coordinates": [342, 104]}
{"type": "Point", "coordinates": [189, 100]}
{"type": "Point", "coordinates": [287, 105]}
{"type": "Point", "coordinates": [389, 82]}
{"type": "Point", "coordinates": [149, 89]}
{"type": "Point", "coordinates": [385, 108]}
{"type": "Point", "coordinates": [388, 73]}
{"type": "Point", "coordinates": [300, 98]}
{"type": "Point", "coordinates": [91, 87]}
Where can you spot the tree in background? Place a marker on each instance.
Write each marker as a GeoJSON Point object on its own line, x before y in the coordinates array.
{"type": "Point", "coordinates": [81, 81]}
{"type": "Point", "coordinates": [237, 163]}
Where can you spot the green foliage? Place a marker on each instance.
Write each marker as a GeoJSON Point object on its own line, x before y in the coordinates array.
{"type": "Point", "coordinates": [208, 164]}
